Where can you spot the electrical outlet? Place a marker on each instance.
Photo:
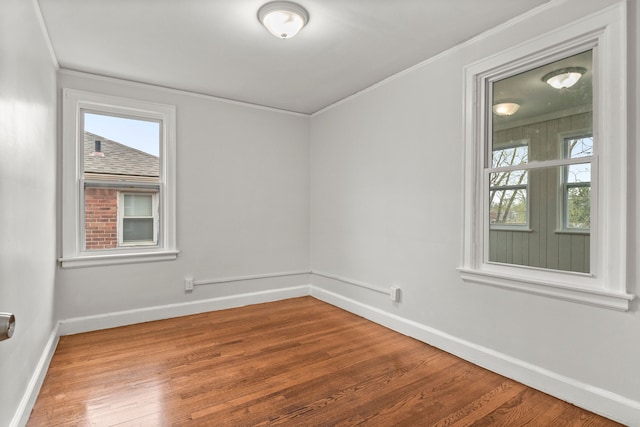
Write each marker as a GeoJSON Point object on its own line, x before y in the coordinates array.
{"type": "Point", "coordinates": [188, 283]}
{"type": "Point", "coordinates": [395, 294]}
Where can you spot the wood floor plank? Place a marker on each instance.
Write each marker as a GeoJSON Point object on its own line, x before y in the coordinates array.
{"type": "Point", "coordinates": [293, 362]}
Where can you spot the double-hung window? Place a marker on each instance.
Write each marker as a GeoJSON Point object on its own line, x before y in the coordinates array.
{"type": "Point", "coordinates": [545, 165]}
{"type": "Point", "coordinates": [118, 180]}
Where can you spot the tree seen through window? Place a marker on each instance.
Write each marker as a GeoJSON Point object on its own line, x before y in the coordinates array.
{"type": "Point", "coordinates": [508, 187]}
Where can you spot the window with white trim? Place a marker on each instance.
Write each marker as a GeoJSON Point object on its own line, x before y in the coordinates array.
{"type": "Point", "coordinates": [572, 245]}
{"type": "Point", "coordinates": [118, 180]}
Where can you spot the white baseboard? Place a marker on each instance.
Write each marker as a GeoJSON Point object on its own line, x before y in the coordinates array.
{"type": "Point", "coordinates": [122, 318]}
{"type": "Point", "coordinates": [595, 399]}
{"type": "Point", "coordinates": [30, 395]}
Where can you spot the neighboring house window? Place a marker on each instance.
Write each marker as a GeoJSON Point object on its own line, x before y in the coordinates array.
{"type": "Point", "coordinates": [508, 204]}
{"type": "Point", "coordinates": [576, 183]}
{"type": "Point", "coordinates": [138, 219]}
{"type": "Point", "coordinates": [579, 255]}
{"type": "Point", "coordinates": [118, 180]}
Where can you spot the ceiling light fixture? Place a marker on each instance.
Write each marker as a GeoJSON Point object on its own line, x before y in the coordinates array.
{"type": "Point", "coordinates": [506, 108]}
{"type": "Point", "coordinates": [564, 78]}
{"type": "Point", "coordinates": [283, 19]}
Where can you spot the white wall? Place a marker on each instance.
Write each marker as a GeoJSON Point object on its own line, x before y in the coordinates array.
{"type": "Point", "coordinates": [242, 206]}
{"type": "Point", "coordinates": [386, 208]}
{"type": "Point", "coordinates": [27, 197]}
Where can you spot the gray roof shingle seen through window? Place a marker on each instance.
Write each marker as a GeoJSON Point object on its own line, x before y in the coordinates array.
{"type": "Point", "coordinates": [118, 159]}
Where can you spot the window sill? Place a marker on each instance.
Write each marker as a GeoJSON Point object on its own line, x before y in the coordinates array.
{"type": "Point", "coordinates": [519, 228]}
{"type": "Point", "coordinates": [117, 258]}
{"type": "Point", "coordinates": [574, 232]}
{"type": "Point", "coordinates": [595, 297]}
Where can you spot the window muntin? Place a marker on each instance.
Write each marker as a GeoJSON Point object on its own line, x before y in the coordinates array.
{"type": "Point", "coordinates": [84, 184]}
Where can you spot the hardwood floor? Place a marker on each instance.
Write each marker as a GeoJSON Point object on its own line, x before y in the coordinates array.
{"type": "Point", "coordinates": [296, 362]}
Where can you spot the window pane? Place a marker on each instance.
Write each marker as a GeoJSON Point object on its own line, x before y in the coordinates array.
{"type": "Point", "coordinates": [116, 150]}
{"type": "Point", "coordinates": [579, 173]}
{"type": "Point", "coordinates": [530, 211]}
{"type": "Point", "coordinates": [545, 112]}
{"type": "Point", "coordinates": [510, 156]}
{"type": "Point", "coordinates": [508, 207]}
{"type": "Point", "coordinates": [101, 218]}
{"type": "Point", "coordinates": [579, 147]}
{"type": "Point", "coordinates": [554, 207]}
{"type": "Point", "coordinates": [137, 205]}
{"type": "Point", "coordinates": [508, 178]}
{"type": "Point", "coordinates": [137, 229]}
{"type": "Point", "coordinates": [577, 201]}
{"type": "Point", "coordinates": [579, 207]}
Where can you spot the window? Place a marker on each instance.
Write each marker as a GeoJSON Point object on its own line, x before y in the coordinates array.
{"type": "Point", "coordinates": [137, 222]}
{"type": "Point", "coordinates": [542, 216]}
{"type": "Point", "coordinates": [576, 184]}
{"type": "Point", "coordinates": [118, 180]}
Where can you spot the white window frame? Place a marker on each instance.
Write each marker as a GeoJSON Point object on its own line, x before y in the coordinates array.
{"type": "Point", "coordinates": [605, 286]}
{"type": "Point", "coordinates": [74, 104]}
{"type": "Point", "coordinates": [122, 217]}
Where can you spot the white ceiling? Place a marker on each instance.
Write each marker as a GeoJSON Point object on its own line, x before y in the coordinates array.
{"type": "Point", "coordinates": [218, 47]}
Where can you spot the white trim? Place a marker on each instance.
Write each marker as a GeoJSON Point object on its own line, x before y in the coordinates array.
{"type": "Point", "coordinates": [595, 297]}
{"type": "Point", "coordinates": [73, 251]}
{"type": "Point", "coordinates": [605, 32]}
{"type": "Point", "coordinates": [78, 325]}
{"type": "Point", "coordinates": [45, 34]}
{"type": "Point", "coordinates": [174, 91]}
{"type": "Point", "coordinates": [595, 399]}
{"type": "Point", "coordinates": [117, 258]}
{"type": "Point", "coordinates": [30, 395]}
{"type": "Point", "coordinates": [540, 164]}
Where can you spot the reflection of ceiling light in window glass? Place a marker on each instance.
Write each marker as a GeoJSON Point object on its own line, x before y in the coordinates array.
{"type": "Point", "coordinates": [506, 108]}
{"type": "Point", "coordinates": [564, 78]}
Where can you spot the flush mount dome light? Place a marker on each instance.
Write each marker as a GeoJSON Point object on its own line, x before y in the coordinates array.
{"type": "Point", "coordinates": [283, 19]}
{"type": "Point", "coordinates": [506, 108]}
{"type": "Point", "coordinates": [564, 78]}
